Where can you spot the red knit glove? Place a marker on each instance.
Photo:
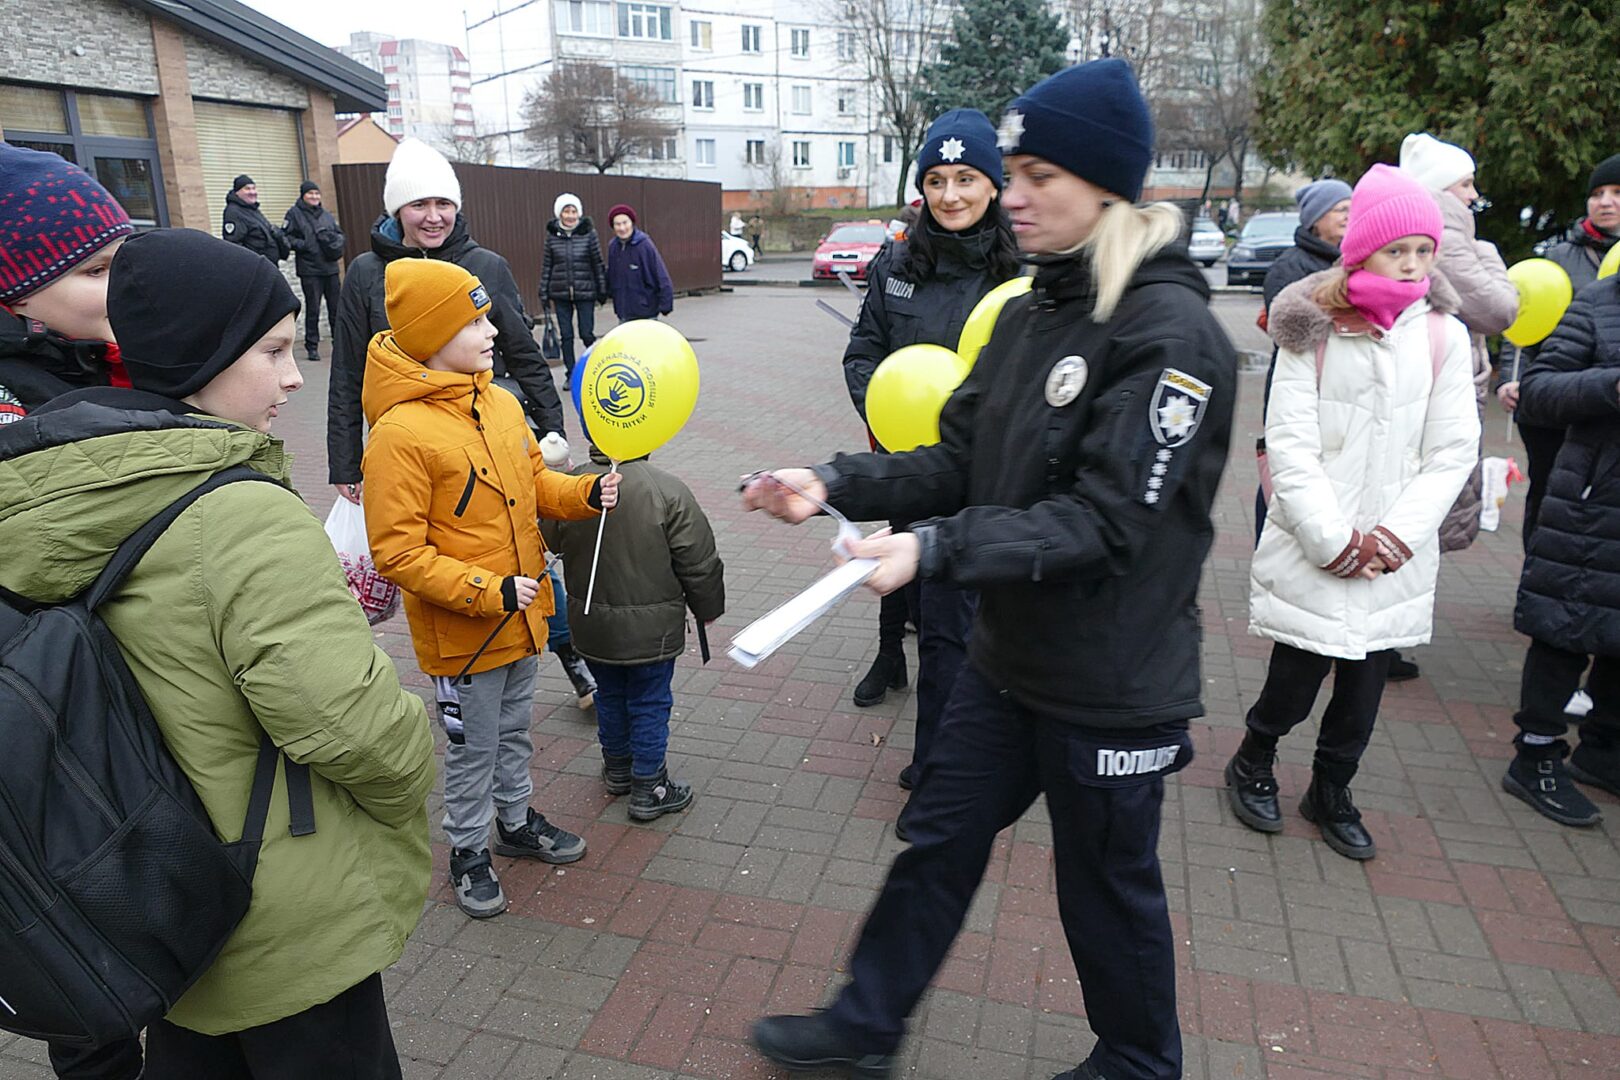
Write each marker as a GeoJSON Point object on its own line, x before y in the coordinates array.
{"type": "Point", "coordinates": [1360, 551]}
{"type": "Point", "coordinates": [1391, 549]}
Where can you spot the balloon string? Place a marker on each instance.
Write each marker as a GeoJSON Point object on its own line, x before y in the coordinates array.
{"type": "Point", "coordinates": [1513, 413]}
{"type": "Point", "coordinates": [596, 556]}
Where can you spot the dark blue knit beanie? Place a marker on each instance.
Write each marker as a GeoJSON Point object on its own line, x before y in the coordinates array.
{"type": "Point", "coordinates": [961, 137]}
{"type": "Point", "coordinates": [1089, 119]}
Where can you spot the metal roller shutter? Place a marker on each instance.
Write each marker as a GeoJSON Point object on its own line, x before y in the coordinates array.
{"type": "Point", "coordinates": [264, 143]}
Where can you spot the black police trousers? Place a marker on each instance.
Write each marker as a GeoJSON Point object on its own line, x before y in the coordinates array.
{"type": "Point", "coordinates": [991, 758]}
{"type": "Point", "coordinates": [945, 622]}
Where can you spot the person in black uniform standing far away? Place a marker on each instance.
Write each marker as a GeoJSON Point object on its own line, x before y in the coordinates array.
{"type": "Point", "coordinates": [314, 234]}
{"type": "Point", "coordinates": [244, 223]}
{"type": "Point", "coordinates": [1072, 488]}
{"type": "Point", "coordinates": [920, 290]}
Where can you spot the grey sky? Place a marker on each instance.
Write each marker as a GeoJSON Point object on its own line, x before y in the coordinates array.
{"type": "Point", "coordinates": [331, 21]}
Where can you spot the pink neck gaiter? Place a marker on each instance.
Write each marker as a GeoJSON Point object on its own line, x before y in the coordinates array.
{"type": "Point", "coordinates": [1380, 299]}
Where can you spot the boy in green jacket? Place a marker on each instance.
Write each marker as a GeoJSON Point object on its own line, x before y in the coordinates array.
{"type": "Point", "coordinates": [235, 623]}
{"type": "Point", "coordinates": [658, 559]}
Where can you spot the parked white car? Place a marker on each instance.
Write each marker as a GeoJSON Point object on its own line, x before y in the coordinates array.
{"type": "Point", "coordinates": [735, 252]}
{"type": "Point", "coordinates": [1207, 243]}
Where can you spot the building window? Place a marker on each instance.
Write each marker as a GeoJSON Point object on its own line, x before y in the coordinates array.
{"type": "Point", "coordinates": [703, 94]}
{"type": "Point", "coordinates": [652, 21]}
{"type": "Point", "coordinates": [799, 43]}
{"type": "Point", "coordinates": [702, 35]}
{"type": "Point", "coordinates": [846, 101]}
{"type": "Point", "coordinates": [659, 82]}
{"type": "Point", "coordinates": [750, 36]}
{"type": "Point", "coordinates": [846, 155]}
{"type": "Point", "coordinates": [754, 96]}
{"type": "Point", "coordinates": [888, 149]}
{"type": "Point", "coordinates": [754, 151]}
{"type": "Point", "coordinates": [846, 45]}
{"type": "Point", "coordinates": [664, 149]}
{"type": "Point", "coordinates": [801, 153]}
{"type": "Point", "coordinates": [584, 17]}
{"type": "Point", "coordinates": [904, 42]}
{"type": "Point", "coordinates": [1181, 159]}
{"type": "Point", "coordinates": [705, 152]}
{"type": "Point", "coordinates": [801, 100]}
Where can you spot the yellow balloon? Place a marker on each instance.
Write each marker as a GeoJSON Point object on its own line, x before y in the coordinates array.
{"type": "Point", "coordinates": [640, 386]}
{"type": "Point", "coordinates": [1544, 294]}
{"type": "Point", "coordinates": [907, 392]}
{"type": "Point", "coordinates": [976, 331]}
{"type": "Point", "coordinates": [1611, 263]}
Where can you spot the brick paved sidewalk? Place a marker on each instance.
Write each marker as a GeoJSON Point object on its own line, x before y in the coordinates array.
{"type": "Point", "coordinates": [1482, 942]}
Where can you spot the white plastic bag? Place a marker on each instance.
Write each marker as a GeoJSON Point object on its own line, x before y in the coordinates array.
{"type": "Point", "coordinates": [1497, 473]}
{"type": "Point", "coordinates": [346, 527]}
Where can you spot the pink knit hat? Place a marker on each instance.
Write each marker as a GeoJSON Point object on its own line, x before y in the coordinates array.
{"type": "Point", "coordinates": [1385, 205]}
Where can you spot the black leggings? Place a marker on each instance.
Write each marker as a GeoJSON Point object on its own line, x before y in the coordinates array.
{"type": "Point", "coordinates": [1292, 682]}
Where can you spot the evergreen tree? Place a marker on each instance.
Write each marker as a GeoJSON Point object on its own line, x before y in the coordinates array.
{"type": "Point", "coordinates": [996, 51]}
{"type": "Point", "coordinates": [1526, 86]}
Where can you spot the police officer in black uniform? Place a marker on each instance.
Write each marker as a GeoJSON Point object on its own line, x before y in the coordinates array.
{"type": "Point", "coordinates": [244, 223]}
{"type": "Point", "coordinates": [1072, 487]}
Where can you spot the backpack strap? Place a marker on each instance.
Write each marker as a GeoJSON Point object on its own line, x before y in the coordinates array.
{"type": "Point", "coordinates": [1437, 342]}
{"type": "Point", "coordinates": [300, 800]}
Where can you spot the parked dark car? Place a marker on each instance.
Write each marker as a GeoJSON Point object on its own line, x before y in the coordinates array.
{"type": "Point", "coordinates": [1264, 237]}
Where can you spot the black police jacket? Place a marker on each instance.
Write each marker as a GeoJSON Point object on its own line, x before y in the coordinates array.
{"type": "Point", "coordinates": [314, 234]}
{"type": "Point", "coordinates": [246, 224]}
{"type": "Point", "coordinates": [900, 310]}
{"type": "Point", "coordinates": [1072, 487]}
{"type": "Point", "coordinates": [363, 313]}
{"type": "Point", "coordinates": [573, 268]}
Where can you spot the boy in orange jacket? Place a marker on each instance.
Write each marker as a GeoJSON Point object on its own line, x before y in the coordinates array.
{"type": "Point", "coordinates": [455, 483]}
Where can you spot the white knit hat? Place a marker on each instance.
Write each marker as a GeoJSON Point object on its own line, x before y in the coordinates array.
{"type": "Point", "coordinates": [418, 172]}
{"type": "Point", "coordinates": [1434, 164]}
{"type": "Point", "coordinates": [566, 199]}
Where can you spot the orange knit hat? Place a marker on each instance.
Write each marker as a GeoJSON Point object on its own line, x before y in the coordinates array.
{"type": "Point", "coordinates": [429, 301]}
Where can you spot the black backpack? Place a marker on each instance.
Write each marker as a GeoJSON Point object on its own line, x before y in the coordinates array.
{"type": "Point", "coordinates": [116, 893]}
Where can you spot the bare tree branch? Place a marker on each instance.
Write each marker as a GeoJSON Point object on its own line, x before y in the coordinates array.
{"type": "Point", "coordinates": [583, 114]}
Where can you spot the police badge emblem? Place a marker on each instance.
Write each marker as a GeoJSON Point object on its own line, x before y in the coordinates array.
{"type": "Point", "coordinates": [1067, 379]}
{"type": "Point", "coordinates": [1177, 407]}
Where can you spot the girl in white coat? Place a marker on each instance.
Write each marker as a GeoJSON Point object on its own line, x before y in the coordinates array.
{"type": "Point", "coordinates": [1371, 432]}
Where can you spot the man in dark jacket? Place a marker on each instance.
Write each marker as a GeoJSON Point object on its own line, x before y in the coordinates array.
{"type": "Point", "coordinates": [246, 224]}
{"type": "Point", "coordinates": [573, 278]}
{"type": "Point", "coordinates": [314, 234]}
{"type": "Point", "coordinates": [1566, 604]}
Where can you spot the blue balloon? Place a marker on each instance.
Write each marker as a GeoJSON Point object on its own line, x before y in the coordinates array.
{"type": "Point", "coordinates": [574, 385]}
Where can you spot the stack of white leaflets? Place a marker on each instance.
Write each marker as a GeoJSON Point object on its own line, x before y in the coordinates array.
{"type": "Point", "coordinates": [762, 637]}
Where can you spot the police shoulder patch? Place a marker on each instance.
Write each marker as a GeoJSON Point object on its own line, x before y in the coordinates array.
{"type": "Point", "coordinates": [230, 227]}
{"type": "Point", "coordinates": [1177, 407]}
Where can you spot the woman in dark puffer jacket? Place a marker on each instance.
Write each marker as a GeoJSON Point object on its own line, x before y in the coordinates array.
{"type": "Point", "coordinates": [573, 278]}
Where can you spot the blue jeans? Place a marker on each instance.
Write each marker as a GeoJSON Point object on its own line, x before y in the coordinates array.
{"type": "Point", "coordinates": [557, 632]}
{"type": "Point", "coordinates": [632, 712]}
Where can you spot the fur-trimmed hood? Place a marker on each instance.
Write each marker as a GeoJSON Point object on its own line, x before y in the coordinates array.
{"type": "Point", "coordinates": [1297, 323]}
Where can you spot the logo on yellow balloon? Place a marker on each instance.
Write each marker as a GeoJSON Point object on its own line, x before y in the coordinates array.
{"type": "Point", "coordinates": [621, 392]}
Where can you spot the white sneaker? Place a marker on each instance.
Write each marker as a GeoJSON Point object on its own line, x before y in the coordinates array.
{"type": "Point", "coordinates": [1580, 703]}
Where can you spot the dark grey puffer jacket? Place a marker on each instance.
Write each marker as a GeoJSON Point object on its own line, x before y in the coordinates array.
{"type": "Point", "coordinates": [1569, 593]}
{"type": "Point", "coordinates": [573, 268]}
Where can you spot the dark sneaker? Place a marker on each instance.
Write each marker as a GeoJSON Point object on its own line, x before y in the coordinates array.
{"type": "Point", "coordinates": [901, 833]}
{"type": "Point", "coordinates": [1601, 770]}
{"type": "Point", "coordinates": [812, 1042]}
{"type": "Point", "coordinates": [616, 774]}
{"type": "Point", "coordinates": [539, 839]}
{"type": "Point", "coordinates": [478, 890]}
{"type": "Point", "coordinates": [313, 358]}
{"type": "Point", "coordinates": [578, 674]}
{"type": "Point", "coordinates": [1251, 788]}
{"type": "Point", "coordinates": [1084, 1071]}
{"type": "Point", "coordinates": [656, 796]}
{"type": "Point", "coordinates": [1402, 670]}
{"type": "Point", "coordinates": [908, 777]}
{"type": "Point", "coordinates": [1547, 785]}
{"type": "Point", "coordinates": [1330, 808]}
{"type": "Point", "coordinates": [886, 673]}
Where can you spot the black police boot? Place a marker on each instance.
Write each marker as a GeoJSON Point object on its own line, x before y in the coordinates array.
{"type": "Point", "coordinates": [813, 1042]}
{"type": "Point", "coordinates": [1401, 669]}
{"type": "Point", "coordinates": [1251, 787]}
{"type": "Point", "coordinates": [1084, 1071]}
{"type": "Point", "coordinates": [908, 777]}
{"type": "Point", "coordinates": [616, 774]}
{"type": "Point", "coordinates": [1595, 766]}
{"type": "Point", "coordinates": [1329, 807]}
{"type": "Point", "coordinates": [1547, 784]}
{"type": "Point", "coordinates": [656, 796]}
{"type": "Point", "coordinates": [887, 673]}
{"type": "Point", "coordinates": [578, 674]}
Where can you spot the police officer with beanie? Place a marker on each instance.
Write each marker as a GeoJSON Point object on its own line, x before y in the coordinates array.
{"type": "Point", "coordinates": [313, 232]}
{"type": "Point", "coordinates": [246, 224]}
{"type": "Point", "coordinates": [1072, 488]}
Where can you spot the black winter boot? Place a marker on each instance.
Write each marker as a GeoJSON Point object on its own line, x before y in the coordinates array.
{"type": "Point", "coordinates": [1595, 766]}
{"type": "Point", "coordinates": [578, 674]}
{"type": "Point", "coordinates": [813, 1042]}
{"type": "Point", "coordinates": [1329, 807]}
{"type": "Point", "coordinates": [1251, 787]}
{"type": "Point", "coordinates": [656, 796]}
{"type": "Point", "coordinates": [616, 774]}
{"type": "Point", "coordinates": [1548, 785]}
{"type": "Point", "coordinates": [887, 673]}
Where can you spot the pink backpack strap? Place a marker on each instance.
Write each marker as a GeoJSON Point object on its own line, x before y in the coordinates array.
{"type": "Point", "coordinates": [1321, 358]}
{"type": "Point", "coordinates": [1437, 344]}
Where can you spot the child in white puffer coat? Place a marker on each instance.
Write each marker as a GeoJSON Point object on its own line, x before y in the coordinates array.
{"type": "Point", "coordinates": [1371, 431]}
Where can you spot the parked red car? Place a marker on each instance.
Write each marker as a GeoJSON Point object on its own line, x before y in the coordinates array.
{"type": "Point", "coordinates": [850, 247]}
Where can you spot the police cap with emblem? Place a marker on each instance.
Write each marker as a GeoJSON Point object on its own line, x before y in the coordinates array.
{"type": "Point", "coordinates": [1089, 119]}
{"type": "Point", "coordinates": [961, 137]}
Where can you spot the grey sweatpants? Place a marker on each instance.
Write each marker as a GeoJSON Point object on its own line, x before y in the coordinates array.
{"type": "Point", "coordinates": [488, 771]}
